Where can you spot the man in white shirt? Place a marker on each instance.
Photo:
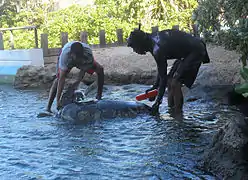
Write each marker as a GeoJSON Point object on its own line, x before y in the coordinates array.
{"type": "Point", "coordinates": [79, 55]}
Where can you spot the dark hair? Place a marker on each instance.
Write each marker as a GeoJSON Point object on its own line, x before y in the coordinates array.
{"type": "Point", "coordinates": [137, 37]}
{"type": "Point", "coordinates": [78, 49]}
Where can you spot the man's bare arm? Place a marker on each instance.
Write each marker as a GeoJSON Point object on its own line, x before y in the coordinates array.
{"type": "Point", "coordinates": [100, 80]}
{"type": "Point", "coordinates": [61, 83]}
{"type": "Point", "coordinates": [155, 85]}
{"type": "Point", "coordinates": [162, 72]}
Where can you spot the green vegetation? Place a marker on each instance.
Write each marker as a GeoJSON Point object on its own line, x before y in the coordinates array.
{"type": "Point", "coordinates": [243, 88]}
{"type": "Point", "coordinates": [105, 14]}
{"type": "Point", "coordinates": [225, 22]}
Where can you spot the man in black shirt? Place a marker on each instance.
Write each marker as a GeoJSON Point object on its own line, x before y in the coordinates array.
{"type": "Point", "coordinates": [189, 52]}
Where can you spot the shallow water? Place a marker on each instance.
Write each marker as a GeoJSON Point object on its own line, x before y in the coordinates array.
{"type": "Point", "coordinates": [140, 148]}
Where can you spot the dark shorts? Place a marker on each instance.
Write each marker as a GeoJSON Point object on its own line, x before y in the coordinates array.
{"type": "Point", "coordinates": [90, 71]}
{"type": "Point", "coordinates": [185, 72]}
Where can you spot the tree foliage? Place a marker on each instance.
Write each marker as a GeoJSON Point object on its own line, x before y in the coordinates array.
{"type": "Point", "coordinates": [104, 14]}
{"type": "Point", "coordinates": [225, 22]}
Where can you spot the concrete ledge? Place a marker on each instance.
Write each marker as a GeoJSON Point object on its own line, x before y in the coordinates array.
{"type": "Point", "coordinates": [12, 60]}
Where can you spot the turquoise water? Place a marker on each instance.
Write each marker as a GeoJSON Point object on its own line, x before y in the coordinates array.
{"type": "Point", "coordinates": [7, 73]}
{"type": "Point", "coordinates": [9, 70]}
{"type": "Point", "coordinates": [141, 148]}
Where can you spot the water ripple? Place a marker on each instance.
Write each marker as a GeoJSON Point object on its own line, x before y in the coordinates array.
{"type": "Point", "coordinates": [141, 148]}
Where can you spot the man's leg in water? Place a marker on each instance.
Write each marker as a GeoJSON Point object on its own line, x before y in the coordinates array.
{"type": "Point", "coordinates": [177, 96]}
{"type": "Point", "coordinates": [52, 94]}
{"type": "Point", "coordinates": [170, 89]}
{"type": "Point", "coordinates": [170, 98]}
{"type": "Point", "coordinates": [185, 73]}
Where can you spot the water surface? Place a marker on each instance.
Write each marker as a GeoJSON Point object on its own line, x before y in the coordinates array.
{"type": "Point", "coordinates": [141, 148]}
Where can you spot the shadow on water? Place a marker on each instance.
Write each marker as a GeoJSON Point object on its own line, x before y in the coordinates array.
{"type": "Point", "coordinates": [132, 148]}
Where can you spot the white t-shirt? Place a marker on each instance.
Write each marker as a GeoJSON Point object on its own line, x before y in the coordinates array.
{"type": "Point", "coordinates": [65, 58]}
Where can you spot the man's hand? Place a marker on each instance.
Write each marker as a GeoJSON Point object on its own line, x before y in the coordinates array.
{"type": "Point", "coordinates": [150, 89]}
{"type": "Point", "coordinates": [152, 98]}
{"type": "Point", "coordinates": [155, 108]}
{"type": "Point", "coordinates": [59, 105]}
{"type": "Point", "coordinates": [98, 97]}
{"type": "Point", "coordinates": [60, 87]}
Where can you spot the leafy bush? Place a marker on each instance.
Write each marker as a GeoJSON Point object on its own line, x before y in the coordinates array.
{"type": "Point", "coordinates": [225, 23]}
{"type": "Point", "coordinates": [107, 15]}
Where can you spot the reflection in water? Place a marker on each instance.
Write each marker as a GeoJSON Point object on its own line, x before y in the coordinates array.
{"type": "Point", "coordinates": [140, 148]}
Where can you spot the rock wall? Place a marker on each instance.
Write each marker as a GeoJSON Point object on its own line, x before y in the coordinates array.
{"type": "Point", "coordinates": [227, 156]}
{"type": "Point", "coordinates": [123, 66]}
{"type": "Point", "coordinates": [34, 77]}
